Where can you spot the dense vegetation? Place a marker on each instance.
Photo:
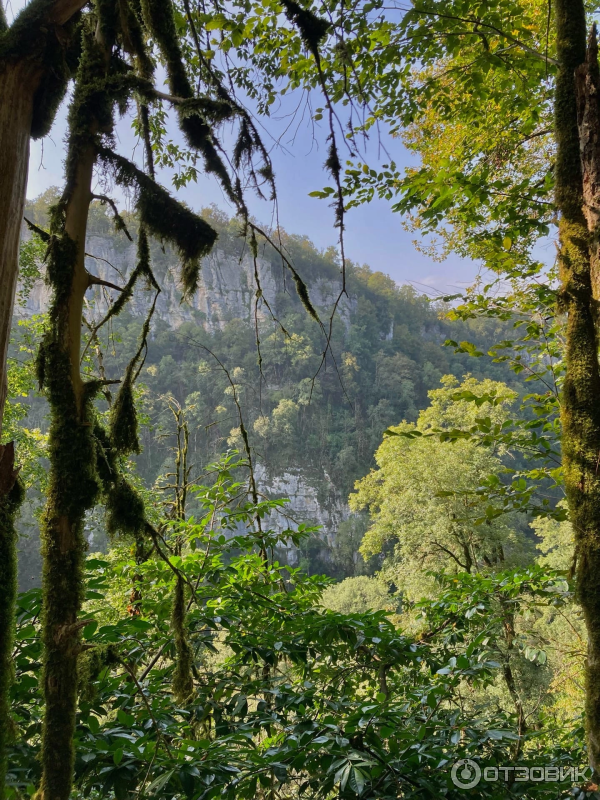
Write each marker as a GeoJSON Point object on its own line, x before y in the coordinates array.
{"type": "Point", "coordinates": [387, 351]}
{"type": "Point", "coordinates": [190, 658]}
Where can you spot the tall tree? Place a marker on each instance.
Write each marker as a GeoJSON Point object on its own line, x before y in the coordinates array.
{"type": "Point", "coordinates": [35, 59]}
{"type": "Point", "coordinates": [34, 70]}
{"type": "Point", "coordinates": [580, 410]}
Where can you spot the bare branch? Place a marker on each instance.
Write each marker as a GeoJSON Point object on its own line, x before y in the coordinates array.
{"type": "Point", "coordinates": [95, 281]}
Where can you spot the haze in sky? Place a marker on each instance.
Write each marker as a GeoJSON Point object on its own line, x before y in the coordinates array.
{"type": "Point", "coordinates": [374, 234]}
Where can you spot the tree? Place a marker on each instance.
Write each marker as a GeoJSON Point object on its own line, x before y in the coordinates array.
{"type": "Point", "coordinates": [289, 697]}
{"type": "Point", "coordinates": [440, 69]}
{"type": "Point", "coordinates": [34, 57]}
{"type": "Point", "coordinates": [35, 65]}
{"type": "Point", "coordinates": [423, 496]}
{"type": "Point", "coordinates": [359, 595]}
{"type": "Point", "coordinates": [114, 66]}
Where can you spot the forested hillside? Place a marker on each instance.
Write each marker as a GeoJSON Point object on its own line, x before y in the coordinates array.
{"type": "Point", "coordinates": [272, 527]}
{"type": "Point", "coordinates": [314, 423]}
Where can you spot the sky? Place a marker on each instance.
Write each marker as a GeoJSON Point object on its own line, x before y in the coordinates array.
{"type": "Point", "coordinates": [374, 234]}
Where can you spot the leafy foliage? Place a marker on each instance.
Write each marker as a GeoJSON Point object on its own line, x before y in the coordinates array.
{"type": "Point", "coordinates": [287, 696]}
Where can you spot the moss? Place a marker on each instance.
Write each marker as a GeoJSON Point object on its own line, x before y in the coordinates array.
{"type": "Point", "coordinates": [160, 23]}
{"type": "Point", "coordinates": [183, 684]}
{"type": "Point", "coordinates": [133, 38]}
{"type": "Point", "coordinates": [90, 666]}
{"type": "Point", "coordinates": [123, 420]}
{"type": "Point", "coordinates": [106, 462]}
{"type": "Point", "coordinates": [165, 217]}
{"type": "Point", "coordinates": [302, 291]}
{"type": "Point", "coordinates": [123, 415]}
{"type": "Point", "coordinates": [125, 511]}
{"type": "Point", "coordinates": [9, 506]}
{"type": "Point", "coordinates": [73, 488]}
{"type": "Point", "coordinates": [51, 89]}
{"type": "Point", "coordinates": [108, 14]}
{"type": "Point", "coordinates": [312, 29]}
{"type": "Point", "coordinates": [580, 411]}
{"type": "Point", "coordinates": [244, 145]}
{"type": "Point", "coordinates": [570, 50]}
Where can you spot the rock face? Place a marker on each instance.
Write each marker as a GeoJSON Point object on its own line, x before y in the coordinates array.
{"type": "Point", "coordinates": [227, 287]}
{"type": "Point", "coordinates": [226, 291]}
{"type": "Point", "coordinates": [305, 505]}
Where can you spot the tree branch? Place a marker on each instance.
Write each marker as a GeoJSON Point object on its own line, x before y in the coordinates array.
{"type": "Point", "coordinates": [41, 12]}
{"type": "Point", "coordinates": [61, 11]}
{"type": "Point", "coordinates": [94, 281]}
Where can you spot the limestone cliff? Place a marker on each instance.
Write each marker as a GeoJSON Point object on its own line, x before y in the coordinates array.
{"type": "Point", "coordinates": [227, 290]}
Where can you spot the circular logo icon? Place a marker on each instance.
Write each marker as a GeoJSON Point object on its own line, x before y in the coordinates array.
{"type": "Point", "coordinates": [466, 773]}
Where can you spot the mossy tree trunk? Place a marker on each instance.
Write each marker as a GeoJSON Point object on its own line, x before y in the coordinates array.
{"type": "Point", "coordinates": [10, 498]}
{"type": "Point", "coordinates": [73, 480]}
{"type": "Point", "coordinates": [72, 490]}
{"type": "Point", "coordinates": [23, 66]}
{"type": "Point", "coordinates": [580, 409]}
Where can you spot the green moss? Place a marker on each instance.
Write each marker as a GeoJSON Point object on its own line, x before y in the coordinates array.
{"type": "Point", "coordinates": [160, 23]}
{"type": "Point", "coordinates": [106, 461]}
{"type": "Point", "coordinates": [73, 488]}
{"type": "Point", "coordinates": [312, 29]}
{"type": "Point", "coordinates": [9, 506]}
{"type": "Point", "coordinates": [183, 684]}
{"type": "Point", "coordinates": [108, 14]}
{"type": "Point", "coordinates": [123, 420]}
{"type": "Point", "coordinates": [570, 50]}
{"type": "Point", "coordinates": [302, 291]}
{"type": "Point", "coordinates": [90, 666]}
{"type": "Point", "coordinates": [580, 410]}
{"type": "Point", "coordinates": [165, 217]}
{"type": "Point", "coordinates": [125, 513]}
{"type": "Point", "coordinates": [51, 90]}
{"type": "Point", "coordinates": [133, 38]}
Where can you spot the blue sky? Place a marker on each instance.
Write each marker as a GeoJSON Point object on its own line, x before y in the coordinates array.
{"type": "Point", "coordinates": [374, 234]}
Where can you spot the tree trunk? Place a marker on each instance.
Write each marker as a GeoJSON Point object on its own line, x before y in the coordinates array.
{"type": "Point", "coordinates": [16, 92]}
{"type": "Point", "coordinates": [17, 87]}
{"type": "Point", "coordinates": [10, 497]}
{"type": "Point", "coordinates": [580, 409]}
{"type": "Point", "coordinates": [72, 490]}
{"type": "Point", "coordinates": [20, 76]}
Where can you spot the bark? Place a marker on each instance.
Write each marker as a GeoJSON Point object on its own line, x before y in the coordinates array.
{"type": "Point", "coordinates": [74, 482]}
{"type": "Point", "coordinates": [509, 678]}
{"type": "Point", "coordinates": [588, 119]}
{"type": "Point", "coordinates": [71, 454]}
{"type": "Point", "coordinates": [18, 83]}
{"type": "Point", "coordinates": [580, 407]}
{"type": "Point", "coordinates": [17, 86]}
{"type": "Point", "coordinates": [8, 592]}
{"type": "Point", "coordinates": [20, 76]}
